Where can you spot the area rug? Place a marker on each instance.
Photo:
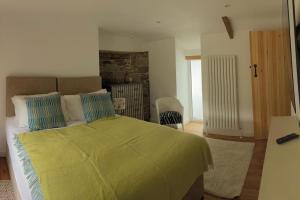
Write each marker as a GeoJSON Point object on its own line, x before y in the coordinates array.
{"type": "Point", "coordinates": [231, 163]}
{"type": "Point", "coordinates": [6, 191]}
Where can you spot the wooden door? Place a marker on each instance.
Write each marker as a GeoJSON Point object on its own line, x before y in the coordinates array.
{"type": "Point", "coordinates": [270, 81]}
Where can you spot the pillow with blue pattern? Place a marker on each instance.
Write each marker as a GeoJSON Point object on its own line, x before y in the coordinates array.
{"type": "Point", "coordinates": [97, 106]}
{"type": "Point", "coordinates": [45, 112]}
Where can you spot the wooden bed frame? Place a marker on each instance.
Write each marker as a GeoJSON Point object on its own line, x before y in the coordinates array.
{"type": "Point", "coordinates": [66, 86]}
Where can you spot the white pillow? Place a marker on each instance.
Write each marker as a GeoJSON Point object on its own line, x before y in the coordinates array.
{"type": "Point", "coordinates": [72, 106]}
{"type": "Point", "coordinates": [21, 112]}
{"type": "Point", "coordinates": [73, 109]}
{"type": "Point", "coordinates": [102, 91]}
{"type": "Point", "coordinates": [64, 109]}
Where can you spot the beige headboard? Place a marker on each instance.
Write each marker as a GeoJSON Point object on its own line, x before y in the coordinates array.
{"type": "Point", "coordinates": [41, 85]}
{"type": "Point", "coordinates": [26, 86]}
{"type": "Point", "coordinates": [76, 85]}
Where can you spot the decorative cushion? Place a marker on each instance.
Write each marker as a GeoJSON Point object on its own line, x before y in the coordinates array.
{"type": "Point", "coordinates": [21, 112]}
{"type": "Point", "coordinates": [170, 117]}
{"type": "Point", "coordinates": [97, 106]}
{"type": "Point", "coordinates": [44, 112]}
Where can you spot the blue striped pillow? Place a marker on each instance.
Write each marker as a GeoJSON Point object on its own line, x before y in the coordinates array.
{"type": "Point", "coordinates": [97, 106]}
{"type": "Point", "coordinates": [45, 112]}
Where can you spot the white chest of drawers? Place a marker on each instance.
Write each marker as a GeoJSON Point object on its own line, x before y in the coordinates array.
{"type": "Point", "coordinates": [281, 172]}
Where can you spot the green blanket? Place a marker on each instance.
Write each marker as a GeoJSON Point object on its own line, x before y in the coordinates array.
{"type": "Point", "coordinates": [113, 159]}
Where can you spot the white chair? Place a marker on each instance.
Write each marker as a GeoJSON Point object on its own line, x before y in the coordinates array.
{"type": "Point", "coordinates": [169, 111]}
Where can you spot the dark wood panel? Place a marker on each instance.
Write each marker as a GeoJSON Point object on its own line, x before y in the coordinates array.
{"type": "Point", "coordinates": [228, 26]}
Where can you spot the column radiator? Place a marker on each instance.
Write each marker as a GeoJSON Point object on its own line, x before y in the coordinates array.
{"type": "Point", "coordinates": [222, 93]}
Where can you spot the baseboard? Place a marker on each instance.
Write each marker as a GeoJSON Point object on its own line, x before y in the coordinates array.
{"type": "Point", "coordinates": [231, 138]}
{"type": "Point", "coordinates": [228, 132]}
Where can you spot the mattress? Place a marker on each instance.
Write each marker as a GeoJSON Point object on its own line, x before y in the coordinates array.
{"type": "Point", "coordinates": [12, 129]}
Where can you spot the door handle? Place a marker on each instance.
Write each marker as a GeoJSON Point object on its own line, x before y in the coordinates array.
{"type": "Point", "coordinates": [255, 70]}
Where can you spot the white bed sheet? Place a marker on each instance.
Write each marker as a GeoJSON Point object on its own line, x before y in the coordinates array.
{"type": "Point", "coordinates": [12, 129]}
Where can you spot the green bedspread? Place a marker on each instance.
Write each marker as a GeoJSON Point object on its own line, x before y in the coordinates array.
{"type": "Point", "coordinates": [113, 159]}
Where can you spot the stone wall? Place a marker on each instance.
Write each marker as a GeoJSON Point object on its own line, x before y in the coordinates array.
{"type": "Point", "coordinates": [126, 67]}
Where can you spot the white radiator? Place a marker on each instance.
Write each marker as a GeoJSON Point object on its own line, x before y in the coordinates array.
{"type": "Point", "coordinates": [222, 97]}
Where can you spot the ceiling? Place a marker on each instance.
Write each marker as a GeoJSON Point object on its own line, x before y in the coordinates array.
{"type": "Point", "coordinates": [155, 18]}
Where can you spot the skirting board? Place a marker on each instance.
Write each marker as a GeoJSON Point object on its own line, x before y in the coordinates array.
{"type": "Point", "coordinates": [228, 132]}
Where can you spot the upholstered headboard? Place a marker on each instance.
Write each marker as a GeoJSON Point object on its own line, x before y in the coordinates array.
{"type": "Point", "coordinates": [26, 86]}
{"type": "Point", "coordinates": [41, 85]}
{"type": "Point", "coordinates": [67, 86]}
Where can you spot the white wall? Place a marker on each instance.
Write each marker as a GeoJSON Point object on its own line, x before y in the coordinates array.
{"type": "Point", "coordinates": [116, 42]}
{"type": "Point", "coordinates": [183, 82]}
{"type": "Point", "coordinates": [220, 44]}
{"type": "Point", "coordinates": [55, 48]}
{"type": "Point", "coordinates": [162, 71]}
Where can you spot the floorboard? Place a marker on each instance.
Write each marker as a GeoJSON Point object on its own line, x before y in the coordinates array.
{"type": "Point", "coordinates": [4, 172]}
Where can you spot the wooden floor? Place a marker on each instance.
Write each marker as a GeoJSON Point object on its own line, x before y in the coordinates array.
{"type": "Point", "coordinates": [194, 127]}
{"type": "Point", "coordinates": [252, 182]}
{"type": "Point", "coordinates": [4, 173]}
{"type": "Point", "coordinates": [251, 186]}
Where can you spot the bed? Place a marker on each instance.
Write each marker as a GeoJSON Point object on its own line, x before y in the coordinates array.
{"type": "Point", "coordinates": [35, 85]}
